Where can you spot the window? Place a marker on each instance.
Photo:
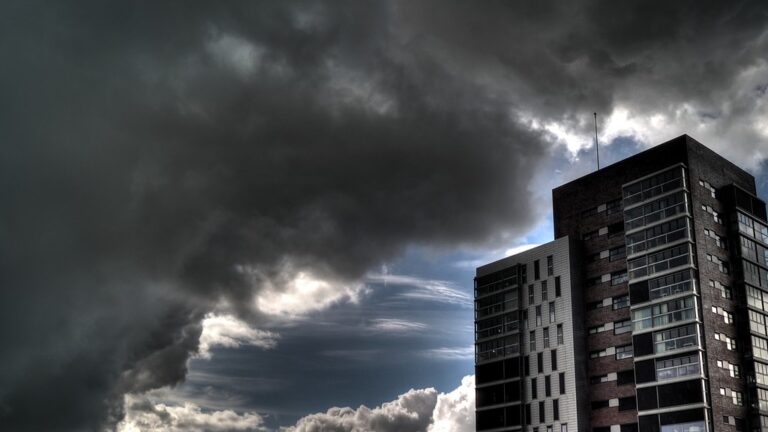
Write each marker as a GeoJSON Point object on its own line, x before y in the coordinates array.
{"type": "Point", "coordinates": [617, 253]}
{"type": "Point", "coordinates": [550, 266]}
{"type": "Point", "coordinates": [528, 417]}
{"type": "Point", "coordinates": [654, 211]}
{"type": "Point", "coordinates": [666, 181]}
{"type": "Point", "coordinates": [670, 284]}
{"type": "Point", "coordinates": [715, 215]}
{"type": "Point", "coordinates": [557, 286]}
{"type": "Point", "coordinates": [723, 290]}
{"type": "Point", "coordinates": [672, 368]}
{"type": "Point", "coordinates": [721, 265]}
{"type": "Point", "coordinates": [760, 347]}
{"type": "Point", "coordinates": [620, 302]}
{"type": "Point", "coordinates": [538, 315]}
{"type": "Point", "coordinates": [658, 235]}
{"type": "Point", "coordinates": [624, 352]}
{"type": "Point", "coordinates": [536, 272]}
{"type": "Point", "coordinates": [547, 386]}
{"type": "Point", "coordinates": [619, 277]}
{"type": "Point", "coordinates": [540, 362]}
{"type": "Point", "coordinates": [599, 404]}
{"type": "Point", "coordinates": [527, 365]}
{"type": "Point", "coordinates": [530, 295]}
{"type": "Point", "coordinates": [562, 383]}
{"type": "Point", "coordinates": [525, 319]}
{"type": "Point", "coordinates": [657, 262]}
{"type": "Point", "coordinates": [546, 337]}
{"type": "Point", "coordinates": [706, 185]}
{"type": "Point", "coordinates": [761, 373]}
{"type": "Point", "coordinates": [675, 339]}
{"type": "Point", "coordinates": [627, 403]}
{"type": "Point", "coordinates": [551, 312]}
{"type": "Point", "coordinates": [532, 341]}
{"type": "Point", "coordinates": [663, 313]}
{"type": "Point", "coordinates": [620, 327]}
{"type": "Point", "coordinates": [717, 240]}
{"type": "Point", "coordinates": [544, 290]}
{"type": "Point", "coordinates": [564, 427]}
{"type": "Point", "coordinates": [553, 358]}
{"type": "Point", "coordinates": [534, 389]}
{"type": "Point", "coordinates": [559, 334]}
{"type": "Point", "coordinates": [555, 410]}
{"type": "Point", "coordinates": [737, 398]}
{"type": "Point", "coordinates": [541, 412]}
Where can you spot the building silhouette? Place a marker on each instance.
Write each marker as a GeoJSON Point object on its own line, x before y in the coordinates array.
{"type": "Point", "coordinates": [649, 312]}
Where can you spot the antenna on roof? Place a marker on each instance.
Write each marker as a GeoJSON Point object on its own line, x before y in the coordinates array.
{"type": "Point", "coordinates": [597, 146]}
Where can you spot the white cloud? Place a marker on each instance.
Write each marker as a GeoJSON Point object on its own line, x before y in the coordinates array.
{"type": "Point", "coordinates": [425, 289]}
{"type": "Point", "coordinates": [230, 332]}
{"type": "Point", "coordinates": [391, 325]}
{"type": "Point", "coordinates": [415, 411]}
{"type": "Point", "coordinates": [304, 293]}
{"type": "Point", "coordinates": [410, 412]}
{"type": "Point", "coordinates": [455, 411]}
{"type": "Point", "coordinates": [142, 415]}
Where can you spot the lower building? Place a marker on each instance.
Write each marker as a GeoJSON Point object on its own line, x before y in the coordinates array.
{"type": "Point", "coordinates": [528, 317]}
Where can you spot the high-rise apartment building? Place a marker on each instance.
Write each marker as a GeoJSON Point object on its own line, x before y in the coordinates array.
{"type": "Point", "coordinates": [667, 316]}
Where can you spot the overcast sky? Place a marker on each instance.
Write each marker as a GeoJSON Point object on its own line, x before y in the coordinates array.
{"type": "Point", "coordinates": [238, 215]}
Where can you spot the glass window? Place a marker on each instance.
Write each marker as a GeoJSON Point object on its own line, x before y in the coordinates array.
{"type": "Point", "coordinates": [540, 362]}
{"type": "Point", "coordinates": [550, 266]}
{"type": "Point", "coordinates": [657, 262]}
{"type": "Point", "coordinates": [760, 347]}
{"type": "Point", "coordinates": [658, 184]}
{"type": "Point", "coordinates": [662, 208]}
{"type": "Point", "coordinates": [553, 360]}
{"type": "Point", "coordinates": [530, 295]}
{"type": "Point", "coordinates": [534, 389]}
{"type": "Point", "coordinates": [663, 313]}
{"type": "Point", "coordinates": [617, 253]}
{"type": "Point", "coordinates": [555, 412]}
{"type": "Point", "coordinates": [620, 327]}
{"type": "Point", "coordinates": [619, 277]}
{"type": "Point", "coordinates": [697, 426]}
{"type": "Point", "coordinates": [546, 337]}
{"type": "Point", "coordinates": [532, 341]}
{"type": "Point", "coordinates": [536, 273]}
{"type": "Point", "coordinates": [557, 286]}
{"type": "Point", "coordinates": [562, 383]}
{"type": "Point", "coordinates": [675, 367]}
{"type": "Point", "coordinates": [551, 312]}
{"type": "Point", "coordinates": [544, 290]}
{"type": "Point", "coordinates": [670, 284]}
{"type": "Point", "coordinates": [538, 315]}
{"type": "Point", "coordinates": [658, 235]}
{"type": "Point", "coordinates": [547, 386]}
{"type": "Point", "coordinates": [621, 302]}
{"type": "Point", "coordinates": [675, 339]}
{"type": "Point", "coordinates": [541, 412]}
{"type": "Point", "coordinates": [761, 373]}
{"type": "Point", "coordinates": [623, 352]}
{"type": "Point", "coordinates": [559, 334]}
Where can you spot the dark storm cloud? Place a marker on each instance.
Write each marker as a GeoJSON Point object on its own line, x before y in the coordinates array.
{"type": "Point", "coordinates": [155, 154]}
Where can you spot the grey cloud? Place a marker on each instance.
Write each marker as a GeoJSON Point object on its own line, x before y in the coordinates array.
{"type": "Point", "coordinates": [152, 151]}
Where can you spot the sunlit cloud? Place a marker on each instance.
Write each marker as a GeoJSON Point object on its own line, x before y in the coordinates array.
{"type": "Point", "coordinates": [227, 331]}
